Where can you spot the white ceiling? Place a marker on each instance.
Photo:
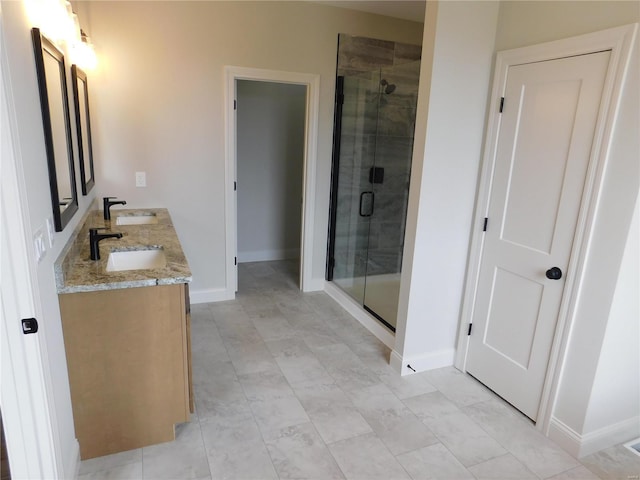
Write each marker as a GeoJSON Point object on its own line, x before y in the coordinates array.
{"type": "Point", "coordinates": [407, 10]}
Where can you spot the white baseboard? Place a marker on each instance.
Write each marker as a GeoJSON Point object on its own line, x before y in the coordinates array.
{"type": "Point", "coordinates": [356, 311]}
{"type": "Point", "coordinates": [314, 285]}
{"type": "Point", "coordinates": [211, 295]}
{"type": "Point", "coordinates": [582, 445]}
{"type": "Point", "coordinates": [395, 360]}
{"type": "Point", "coordinates": [565, 436]}
{"type": "Point", "coordinates": [423, 362]}
{"type": "Point", "coordinates": [223, 294]}
{"type": "Point", "coordinates": [268, 255]}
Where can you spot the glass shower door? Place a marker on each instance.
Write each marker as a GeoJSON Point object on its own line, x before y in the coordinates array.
{"type": "Point", "coordinates": [353, 196]}
{"type": "Point", "coordinates": [397, 101]}
{"type": "Point", "coordinates": [373, 145]}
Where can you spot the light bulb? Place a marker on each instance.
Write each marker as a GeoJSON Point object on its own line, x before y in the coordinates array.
{"type": "Point", "coordinates": [85, 56]}
{"type": "Point", "coordinates": [57, 22]}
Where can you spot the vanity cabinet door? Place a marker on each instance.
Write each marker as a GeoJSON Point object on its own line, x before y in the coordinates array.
{"type": "Point", "coordinates": [127, 356]}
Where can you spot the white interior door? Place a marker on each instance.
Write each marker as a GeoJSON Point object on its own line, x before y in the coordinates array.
{"type": "Point", "coordinates": [543, 151]}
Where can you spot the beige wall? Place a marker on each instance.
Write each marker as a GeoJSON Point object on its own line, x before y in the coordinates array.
{"type": "Point", "coordinates": [617, 379]}
{"type": "Point", "coordinates": [523, 23]}
{"type": "Point", "coordinates": [450, 118]}
{"type": "Point", "coordinates": [157, 103]}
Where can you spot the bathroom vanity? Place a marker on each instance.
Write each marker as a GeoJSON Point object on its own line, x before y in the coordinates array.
{"type": "Point", "coordinates": [126, 325]}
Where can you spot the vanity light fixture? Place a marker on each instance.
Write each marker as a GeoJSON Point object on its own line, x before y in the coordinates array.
{"type": "Point", "coordinates": [51, 17]}
{"type": "Point", "coordinates": [83, 53]}
{"type": "Point", "coordinates": [56, 20]}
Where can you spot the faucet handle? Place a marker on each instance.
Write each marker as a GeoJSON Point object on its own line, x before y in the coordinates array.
{"type": "Point", "coordinates": [106, 200]}
{"type": "Point", "coordinates": [96, 229]}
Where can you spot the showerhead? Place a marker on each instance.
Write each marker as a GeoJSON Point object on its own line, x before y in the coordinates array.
{"type": "Point", "coordinates": [389, 87]}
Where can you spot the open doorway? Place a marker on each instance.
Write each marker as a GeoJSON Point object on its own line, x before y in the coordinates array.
{"type": "Point", "coordinates": [310, 84]}
{"type": "Point", "coordinates": [270, 139]}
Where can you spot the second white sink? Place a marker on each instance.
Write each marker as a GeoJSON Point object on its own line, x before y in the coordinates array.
{"type": "Point", "coordinates": [136, 260]}
{"type": "Point", "coordinates": [141, 219]}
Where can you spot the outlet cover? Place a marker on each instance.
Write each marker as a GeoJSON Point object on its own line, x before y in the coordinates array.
{"type": "Point", "coordinates": [141, 179]}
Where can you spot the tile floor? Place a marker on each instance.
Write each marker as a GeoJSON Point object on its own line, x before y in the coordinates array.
{"type": "Point", "coordinates": [288, 385]}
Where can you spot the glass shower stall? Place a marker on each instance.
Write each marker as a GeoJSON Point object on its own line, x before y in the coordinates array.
{"type": "Point", "coordinates": [373, 144]}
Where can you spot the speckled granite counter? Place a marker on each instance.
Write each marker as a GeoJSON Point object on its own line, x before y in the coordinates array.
{"type": "Point", "coordinates": [76, 272]}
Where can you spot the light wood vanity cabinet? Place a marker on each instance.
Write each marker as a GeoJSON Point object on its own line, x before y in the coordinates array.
{"type": "Point", "coordinates": [129, 361]}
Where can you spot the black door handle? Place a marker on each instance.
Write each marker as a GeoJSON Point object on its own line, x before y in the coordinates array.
{"type": "Point", "coordinates": [369, 204]}
{"type": "Point", "coordinates": [554, 273]}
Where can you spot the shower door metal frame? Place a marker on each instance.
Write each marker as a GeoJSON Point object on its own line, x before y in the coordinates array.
{"type": "Point", "coordinates": [335, 168]}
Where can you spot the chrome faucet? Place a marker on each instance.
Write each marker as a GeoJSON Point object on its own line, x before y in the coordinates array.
{"type": "Point", "coordinates": [94, 240]}
{"type": "Point", "coordinates": [106, 205]}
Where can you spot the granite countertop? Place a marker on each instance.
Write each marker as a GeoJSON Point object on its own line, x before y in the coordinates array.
{"type": "Point", "coordinates": [76, 272]}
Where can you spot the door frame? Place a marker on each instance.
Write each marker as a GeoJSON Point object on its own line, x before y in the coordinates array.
{"type": "Point", "coordinates": [28, 406]}
{"type": "Point", "coordinates": [312, 82]}
{"type": "Point", "coordinates": [620, 41]}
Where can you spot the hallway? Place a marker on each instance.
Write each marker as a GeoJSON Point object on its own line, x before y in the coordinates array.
{"type": "Point", "coordinates": [288, 385]}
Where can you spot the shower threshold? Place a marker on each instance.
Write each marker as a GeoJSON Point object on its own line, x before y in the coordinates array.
{"type": "Point", "coordinates": [380, 294]}
{"type": "Point", "coordinates": [356, 310]}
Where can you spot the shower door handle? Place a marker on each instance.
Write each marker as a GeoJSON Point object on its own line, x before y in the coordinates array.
{"type": "Point", "coordinates": [366, 204]}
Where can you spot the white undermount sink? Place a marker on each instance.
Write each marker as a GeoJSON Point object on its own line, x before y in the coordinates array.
{"type": "Point", "coordinates": [136, 260]}
{"type": "Point", "coordinates": [139, 219]}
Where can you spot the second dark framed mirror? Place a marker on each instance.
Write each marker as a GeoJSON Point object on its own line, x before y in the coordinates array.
{"type": "Point", "coordinates": [83, 127]}
{"type": "Point", "coordinates": [54, 102]}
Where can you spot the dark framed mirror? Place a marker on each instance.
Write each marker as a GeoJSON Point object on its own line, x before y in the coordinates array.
{"type": "Point", "coordinates": [83, 127]}
{"type": "Point", "coordinates": [54, 102]}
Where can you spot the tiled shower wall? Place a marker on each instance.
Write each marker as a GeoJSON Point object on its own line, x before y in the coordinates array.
{"type": "Point", "coordinates": [377, 127]}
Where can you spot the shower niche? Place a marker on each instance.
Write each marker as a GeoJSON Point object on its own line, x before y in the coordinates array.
{"type": "Point", "coordinates": [376, 97]}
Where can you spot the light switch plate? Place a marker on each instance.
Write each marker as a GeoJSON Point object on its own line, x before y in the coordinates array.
{"type": "Point", "coordinates": [50, 231]}
{"type": "Point", "coordinates": [141, 179]}
{"type": "Point", "coordinates": [39, 245]}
